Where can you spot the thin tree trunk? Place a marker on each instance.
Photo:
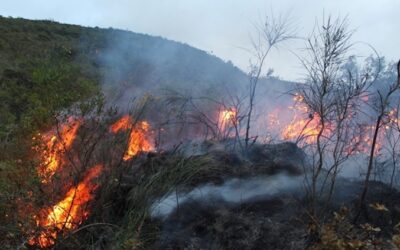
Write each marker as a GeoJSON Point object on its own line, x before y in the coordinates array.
{"type": "Point", "coordinates": [370, 166]}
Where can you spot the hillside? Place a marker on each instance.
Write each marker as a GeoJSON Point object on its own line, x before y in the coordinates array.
{"type": "Point", "coordinates": [111, 139]}
{"type": "Point", "coordinates": [46, 66]}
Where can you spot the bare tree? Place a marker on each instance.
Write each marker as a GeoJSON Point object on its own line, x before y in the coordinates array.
{"type": "Point", "coordinates": [326, 51]}
{"type": "Point", "coordinates": [391, 153]}
{"type": "Point", "coordinates": [393, 138]}
{"type": "Point", "coordinates": [271, 34]}
{"type": "Point", "coordinates": [333, 95]}
{"type": "Point", "coordinates": [383, 104]}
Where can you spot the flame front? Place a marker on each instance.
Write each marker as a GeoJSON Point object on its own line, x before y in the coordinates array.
{"type": "Point", "coordinates": [121, 125]}
{"type": "Point", "coordinates": [72, 210]}
{"type": "Point", "coordinates": [68, 213]}
{"type": "Point", "coordinates": [227, 118]}
{"type": "Point", "coordinates": [306, 129]}
{"type": "Point", "coordinates": [139, 137]}
{"type": "Point", "coordinates": [57, 142]}
{"type": "Point", "coordinates": [301, 128]}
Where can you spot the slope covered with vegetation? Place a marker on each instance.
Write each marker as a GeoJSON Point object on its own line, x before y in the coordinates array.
{"type": "Point", "coordinates": [183, 163]}
{"type": "Point", "coordinates": [45, 67]}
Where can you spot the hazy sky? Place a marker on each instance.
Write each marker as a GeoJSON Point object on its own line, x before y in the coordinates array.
{"type": "Point", "coordinates": [223, 27]}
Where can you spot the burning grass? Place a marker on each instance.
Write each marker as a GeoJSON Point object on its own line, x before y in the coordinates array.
{"type": "Point", "coordinates": [56, 143]}
{"type": "Point", "coordinates": [139, 136]}
{"type": "Point", "coordinates": [68, 213]}
{"type": "Point", "coordinates": [135, 176]}
{"type": "Point", "coordinates": [74, 186]}
{"type": "Point", "coordinates": [227, 118]}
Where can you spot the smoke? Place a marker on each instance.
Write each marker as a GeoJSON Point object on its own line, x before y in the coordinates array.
{"type": "Point", "coordinates": [135, 64]}
{"type": "Point", "coordinates": [200, 85]}
{"type": "Point", "coordinates": [234, 191]}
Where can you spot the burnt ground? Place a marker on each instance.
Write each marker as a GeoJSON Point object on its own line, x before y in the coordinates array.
{"type": "Point", "coordinates": [262, 224]}
{"type": "Point", "coordinates": [269, 222]}
{"type": "Point", "coordinates": [263, 221]}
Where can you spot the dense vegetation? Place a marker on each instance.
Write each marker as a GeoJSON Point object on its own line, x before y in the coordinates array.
{"type": "Point", "coordinates": [45, 67]}
{"type": "Point", "coordinates": [41, 72]}
{"type": "Point", "coordinates": [51, 72]}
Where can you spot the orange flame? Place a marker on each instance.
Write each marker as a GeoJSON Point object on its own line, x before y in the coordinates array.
{"type": "Point", "coordinates": [138, 138]}
{"type": "Point", "coordinates": [121, 125]}
{"type": "Point", "coordinates": [56, 144]}
{"type": "Point", "coordinates": [364, 142]}
{"type": "Point", "coordinates": [68, 213]}
{"type": "Point", "coordinates": [302, 128]}
{"type": "Point", "coordinates": [393, 118]}
{"type": "Point", "coordinates": [226, 118]}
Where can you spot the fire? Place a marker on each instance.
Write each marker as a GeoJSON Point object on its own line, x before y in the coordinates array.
{"type": "Point", "coordinates": [56, 144]}
{"type": "Point", "coordinates": [302, 128]}
{"type": "Point", "coordinates": [307, 129]}
{"type": "Point", "coordinates": [298, 97]}
{"type": "Point", "coordinates": [226, 118]}
{"type": "Point", "coordinates": [138, 138]}
{"type": "Point", "coordinates": [138, 141]}
{"type": "Point", "coordinates": [273, 120]}
{"type": "Point", "coordinates": [364, 142]}
{"type": "Point", "coordinates": [68, 213]}
{"type": "Point", "coordinates": [121, 125]}
{"type": "Point", "coordinates": [393, 118]}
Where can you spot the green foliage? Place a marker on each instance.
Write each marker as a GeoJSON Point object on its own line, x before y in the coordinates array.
{"type": "Point", "coordinates": [43, 70]}
{"type": "Point", "coordinates": [46, 68]}
{"type": "Point", "coordinates": [18, 182]}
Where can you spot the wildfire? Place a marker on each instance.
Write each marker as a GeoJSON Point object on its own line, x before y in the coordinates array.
{"type": "Point", "coordinates": [298, 97]}
{"type": "Point", "coordinates": [393, 118]}
{"type": "Point", "coordinates": [68, 213]}
{"type": "Point", "coordinates": [57, 142]}
{"type": "Point", "coordinates": [364, 142]}
{"type": "Point", "coordinates": [307, 129]}
{"type": "Point", "coordinates": [138, 138]}
{"type": "Point", "coordinates": [273, 120]}
{"type": "Point", "coordinates": [302, 128]}
{"type": "Point", "coordinates": [121, 125]}
{"type": "Point", "coordinates": [226, 118]}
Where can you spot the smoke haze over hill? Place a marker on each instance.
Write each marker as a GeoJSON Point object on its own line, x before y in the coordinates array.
{"type": "Point", "coordinates": [224, 27]}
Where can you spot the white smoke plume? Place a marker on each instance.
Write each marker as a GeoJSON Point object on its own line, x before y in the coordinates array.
{"type": "Point", "coordinates": [233, 191]}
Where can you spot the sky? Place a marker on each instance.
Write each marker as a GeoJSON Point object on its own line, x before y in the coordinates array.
{"type": "Point", "coordinates": [224, 27]}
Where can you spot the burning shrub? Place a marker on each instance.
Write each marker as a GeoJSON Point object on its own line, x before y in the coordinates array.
{"type": "Point", "coordinates": [71, 167]}
{"type": "Point", "coordinates": [67, 214]}
{"type": "Point", "coordinates": [139, 140]}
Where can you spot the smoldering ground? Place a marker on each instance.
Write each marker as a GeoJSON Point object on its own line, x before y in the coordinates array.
{"type": "Point", "coordinates": [234, 191]}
